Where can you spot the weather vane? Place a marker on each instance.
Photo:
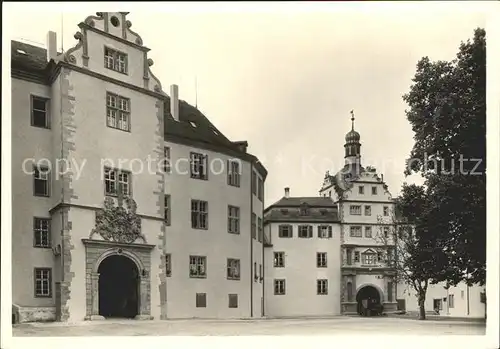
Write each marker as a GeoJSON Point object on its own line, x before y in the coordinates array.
{"type": "Point", "coordinates": [352, 118]}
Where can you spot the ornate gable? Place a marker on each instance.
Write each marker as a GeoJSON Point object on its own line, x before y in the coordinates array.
{"type": "Point", "coordinates": [112, 30]}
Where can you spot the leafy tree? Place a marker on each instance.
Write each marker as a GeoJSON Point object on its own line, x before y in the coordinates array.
{"type": "Point", "coordinates": [411, 248]}
{"type": "Point", "coordinates": [447, 111]}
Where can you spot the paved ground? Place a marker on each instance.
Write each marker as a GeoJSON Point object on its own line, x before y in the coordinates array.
{"type": "Point", "coordinates": [336, 325]}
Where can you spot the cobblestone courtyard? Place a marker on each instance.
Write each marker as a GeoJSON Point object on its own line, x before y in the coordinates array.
{"type": "Point", "coordinates": [337, 325]}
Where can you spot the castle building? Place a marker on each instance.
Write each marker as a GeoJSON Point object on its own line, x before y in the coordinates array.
{"type": "Point", "coordinates": [357, 208]}
{"type": "Point", "coordinates": [127, 202]}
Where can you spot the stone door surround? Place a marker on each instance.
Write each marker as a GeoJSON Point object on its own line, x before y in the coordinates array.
{"type": "Point", "coordinates": [98, 250]}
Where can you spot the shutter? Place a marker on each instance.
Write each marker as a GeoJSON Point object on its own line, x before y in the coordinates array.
{"type": "Point", "coordinates": [319, 231]}
{"type": "Point", "coordinates": [310, 231]}
{"type": "Point", "coordinates": [330, 231]}
{"type": "Point", "coordinates": [228, 172]}
{"type": "Point", "coordinates": [291, 230]}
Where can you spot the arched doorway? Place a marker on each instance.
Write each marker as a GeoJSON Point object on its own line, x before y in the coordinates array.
{"type": "Point", "coordinates": [368, 299]}
{"type": "Point", "coordinates": [118, 287]}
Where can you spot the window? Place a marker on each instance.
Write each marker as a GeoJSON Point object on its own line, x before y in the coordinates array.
{"type": "Point", "coordinates": [462, 294]}
{"type": "Point", "coordinates": [166, 213]}
{"type": "Point", "coordinates": [330, 193]}
{"type": "Point", "coordinates": [361, 189]}
{"type": "Point", "coordinates": [356, 257]}
{"type": "Point", "coordinates": [322, 286]}
{"type": "Point", "coordinates": [117, 112]}
{"type": "Point", "coordinates": [254, 226]}
{"type": "Point", "coordinates": [325, 231]}
{"type": "Point", "coordinates": [114, 180]}
{"type": "Point", "coordinates": [254, 183]}
{"type": "Point", "coordinates": [233, 173]}
{"type": "Point", "coordinates": [390, 255]}
{"type": "Point", "coordinates": [233, 301]}
{"type": "Point", "coordinates": [279, 287]}
{"type": "Point", "coordinates": [349, 292]}
{"type": "Point", "coordinates": [261, 274]}
{"type": "Point", "coordinates": [41, 177]}
{"type": "Point", "coordinates": [374, 190]}
{"type": "Point", "coordinates": [168, 265]}
{"type": "Point", "coordinates": [41, 230]}
{"type": "Point", "coordinates": [369, 258]}
{"type": "Point", "coordinates": [451, 301]}
{"type": "Point", "coordinates": [285, 231]}
{"type": "Point", "coordinates": [355, 210]}
{"type": "Point", "coordinates": [115, 60]}
{"type": "Point", "coordinates": [389, 291]}
{"type": "Point", "coordinates": [201, 300]}
{"type": "Point", "coordinates": [386, 232]}
{"type": "Point", "coordinates": [199, 166]}
{"type": "Point", "coordinates": [279, 259]}
{"type": "Point", "coordinates": [437, 303]}
{"type": "Point", "coordinates": [380, 257]}
{"type": "Point", "coordinates": [197, 266]}
{"type": "Point", "coordinates": [304, 210]}
{"type": "Point", "coordinates": [233, 220]}
{"type": "Point", "coordinates": [255, 276]}
{"type": "Point", "coordinates": [259, 228]}
{"type": "Point", "coordinates": [43, 282]}
{"type": "Point", "coordinates": [260, 189]}
{"type": "Point", "coordinates": [386, 210]}
{"type": "Point", "coordinates": [368, 210]}
{"type": "Point", "coordinates": [233, 269]}
{"type": "Point", "coordinates": [40, 112]}
{"type": "Point", "coordinates": [355, 231]}
{"type": "Point", "coordinates": [368, 232]}
{"type": "Point", "coordinates": [305, 231]}
{"type": "Point", "coordinates": [166, 161]}
{"type": "Point", "coordinates": [321, 261]}
{"type": "Point", "coordinates": [349, 256]}
{"type": "Point", "coordinates": [199, 214]}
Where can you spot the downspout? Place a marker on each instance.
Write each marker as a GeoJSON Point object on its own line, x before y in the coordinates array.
{"type": "Point", "coordinates": [251, 240]}
{"type": "Point", "coordinates": [262, 300]}
{"type": "Point", "coordinates": [62, 184]}
{"type": "Point", "coordinates": [468, 305]}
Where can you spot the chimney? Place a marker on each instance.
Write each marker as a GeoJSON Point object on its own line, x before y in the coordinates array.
{"type": "Point", "coordinates": [51, 46]}
{"type": "Point", "coordinates": [174, 102]}
{"type": "Point", "coordinates": [242, 146]}
{"type": "Point", "coordinates": [287, 192]}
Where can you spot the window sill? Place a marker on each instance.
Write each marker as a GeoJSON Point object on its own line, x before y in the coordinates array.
{"type": "Point", "coordinates": [117, 71]}
{"type": "Point", "coordinates": [43, 296]}
{"type": "Point", "coordinates": [233, 278]}
{"type": "Point", "coordinates": [119, 129]}
{"type": "Point", "coordinates": [42, 127]}
{"type": "Point", "coordinates": [233, 232]}
{"type": "Point", "coordinates": [198, 276]}
{"type": "Point", "coordinates": [197, 228]}
{"type": "Point", "coordinates": [234, 185]}
{"type": "Point", "coordinates": [43, 247]}
{"type": "Point", "coordinates": [41, 195]}
{"type": "Point", "coordinates": [200, 178]}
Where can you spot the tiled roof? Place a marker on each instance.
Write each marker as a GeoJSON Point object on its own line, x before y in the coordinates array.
{"type": "Point", "coordinates": [318, 201]}
{"type": "Point", "coordinates": [276, 215]}
{"type": "Point", "coordinates": [202, 132]}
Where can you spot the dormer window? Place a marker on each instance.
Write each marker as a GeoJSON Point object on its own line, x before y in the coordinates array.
{"type": "Point", "coordinates": [115, 60]}
{"type": "Point", "coordinates": [304, 210]}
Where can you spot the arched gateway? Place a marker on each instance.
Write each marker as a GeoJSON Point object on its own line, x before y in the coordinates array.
{"type": "Point", "coordinates": [369, 301]}
{"type": "Point", "coordinates": [119, 291]}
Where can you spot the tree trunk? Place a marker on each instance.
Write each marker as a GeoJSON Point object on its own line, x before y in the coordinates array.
{"type": "Point", "coordinates": [421, 305]}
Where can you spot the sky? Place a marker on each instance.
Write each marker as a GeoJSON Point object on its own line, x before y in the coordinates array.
{"type": "Point", "coordinates": [286, 81]}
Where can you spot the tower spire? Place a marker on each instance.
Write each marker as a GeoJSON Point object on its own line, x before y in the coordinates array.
{"type": "Point", "coordinates": [352, 119]}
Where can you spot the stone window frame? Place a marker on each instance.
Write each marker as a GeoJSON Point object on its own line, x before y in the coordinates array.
{"type": "Point", "coordinates": [118, 184]}
{"type": "Point", "coordinates": [289, 231]}
{"type": "Point", "coordinates": [260, 188]}
{"type": "Point", "coordinates": [233, 173]}
{"type": "Point", "coordinates": [368, 231]}
{"type": "Point", "coordinates": [254, 226]}
{"type": "Point", "coordinates": [254, 183]}
{"type": "Point", "coordinates": [325, 231]}
{"type": "Point", "coordinates": [46, 101]}
{"type": "Point", "coordinates": [113, 57]}
{"type": "Point", "coordinates": [279, 259]}
{"type": "Point", "coordinates": [41, 278]}
{"type": "Point", "coordinates": [353, 231]}
{"type": "Point", "coordinates": [355, 210]}
{"type": "Point", "coordinates": [361, 190]}
{"type": "Point", "coordinates": [167, 168]}
{"type": "Point", "coordinates": [322, 287]}
{"type": "Point", "coordinates": [374, 190]}
{"type": "Point", "coordinates": [233, 269]}
{"type": "Point", "coordinates": [369, 258]}
{"type": "Point", "coordinates": [44, 174]}
{"type": "Point", "coordinates": [321, 260]}
{"type": "Point", "coordinates": [199, 214]}
{"type": "Point", "coordinates": [198, 166]}
{"type": "Point", "coordinates": [386, 211]}
{"type": "Point", "coordinates": [233, 219]}
{"type": "Point", "coordinates": [279, 287]}
{"type": "Point", "coordinates": [308, 229]}
{"type": "Point", "coordinates": [194, 268]}
{"type": "Point", "coordinates": [368, 210]}
{"type": "Point", "coordinates": [120, 111]}
{"type": "Point", "coordinates": [38, 230]}
{"type": "Point", "coordinates": [260, 230]}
